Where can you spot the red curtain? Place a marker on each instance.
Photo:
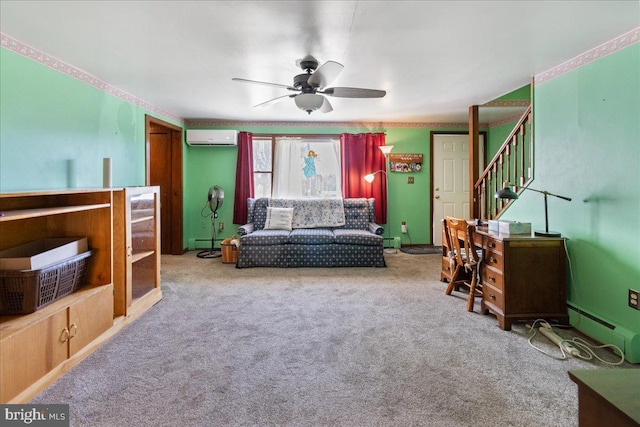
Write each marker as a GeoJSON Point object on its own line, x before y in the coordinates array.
{"type": "Point", "coordinates": [244, 177]}
{"type": "Point", "coordinates": [360, 156]}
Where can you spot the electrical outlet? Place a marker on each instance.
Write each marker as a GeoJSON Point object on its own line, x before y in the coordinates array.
{"type": "Point", "coordinates": [220, 226]}
{"type": "Point", "coordinates": [404, 226]}
{"type": "Point", "coordinates": [634, 299]}
{"type": "Point", "coordinates": [410, 180]}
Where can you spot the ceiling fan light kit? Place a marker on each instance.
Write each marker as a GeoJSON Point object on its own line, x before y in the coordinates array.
{"type": "Point", "coordinates": [310, 102]}
{"type": "Point", "coordinates": [311, 86]}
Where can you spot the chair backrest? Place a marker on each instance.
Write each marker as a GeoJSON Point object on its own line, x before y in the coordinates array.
{"type": "Point", "coordinates": [456, 231]}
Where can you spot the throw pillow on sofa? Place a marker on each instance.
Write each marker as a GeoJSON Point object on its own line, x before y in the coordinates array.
{"type": "Point", "coordinates": [279, 219]}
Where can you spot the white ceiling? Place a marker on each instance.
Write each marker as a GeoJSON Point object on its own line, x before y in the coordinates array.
{"type": "Point", "coordinates": [434, 58]}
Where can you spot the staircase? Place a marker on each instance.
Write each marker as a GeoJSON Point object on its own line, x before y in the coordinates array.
{"type": "Point", "coordinates": [512, 164]}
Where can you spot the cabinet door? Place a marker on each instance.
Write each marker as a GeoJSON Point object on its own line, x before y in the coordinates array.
{"type": "Point", "coordinates": [144, 249]}
{"type": "Point", "coordinates": [90, 317]}
{"type": "Point", "coordinates": [32, 352]}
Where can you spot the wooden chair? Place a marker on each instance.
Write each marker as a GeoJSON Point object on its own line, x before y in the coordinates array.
{"type": "Point", "coordinates": [463, 257]}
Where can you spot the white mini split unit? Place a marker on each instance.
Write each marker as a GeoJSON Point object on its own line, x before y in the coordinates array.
{"type": "Point", "coordinates": [211, 138]}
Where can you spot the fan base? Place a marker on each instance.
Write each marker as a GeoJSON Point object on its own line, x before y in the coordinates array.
{"type": "Point", "coordinates": [208, 254]}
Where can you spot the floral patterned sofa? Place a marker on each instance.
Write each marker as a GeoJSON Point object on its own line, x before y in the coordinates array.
{"type": "Point", "coordinates": [310, 233]}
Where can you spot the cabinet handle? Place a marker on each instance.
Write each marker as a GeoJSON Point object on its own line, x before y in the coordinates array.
{"type": "Point", "coordinates": [493, 279]}
{"type": "Point", "coordinates": [73, 327]}
{"type": "Point", "coordinates": [492, 296]}
{"type": "Point", "coordinates": [492, 245]}
{"type": "Point", "coordinates": [64, 336]}
{"type": "Point", "coordinates": [493, 260]}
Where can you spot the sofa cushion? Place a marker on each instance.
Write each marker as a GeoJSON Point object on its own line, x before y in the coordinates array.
{"type": "Point", "coordinates": [311, 236]}
{"type": "Point", "coordinates": [265, 238]}
{"type": "Point", "coordinates": [279, 219]}
{"type": "Point", "coordinates": [357, 216]}
{"type": "Point", "coordinates": [356, 237]}
{"type": "Point", "coordinates": [260, 212]}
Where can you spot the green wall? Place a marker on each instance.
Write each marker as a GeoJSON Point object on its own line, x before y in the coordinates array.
{"type": "Point", "coordinates": [519, 94]}
{"type": "Point", "coordinates": [55, 131]}
{"type": "Point", "coordinates": [587, 147]}
{"type": "Point", "coordinates": [209, 166]}
{"type": "Point", "coordinates": [496, 137]}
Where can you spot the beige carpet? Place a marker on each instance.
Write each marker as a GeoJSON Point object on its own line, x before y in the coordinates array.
{"type": "Point", "coordinates": [317, 347]}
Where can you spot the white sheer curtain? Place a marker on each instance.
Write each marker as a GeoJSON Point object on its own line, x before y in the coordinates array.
{"type": "Point", "coordinates": [306, 167]}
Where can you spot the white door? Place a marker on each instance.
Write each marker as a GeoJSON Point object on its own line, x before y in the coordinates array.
{"type": "Point", "coordinates": [451, 178]}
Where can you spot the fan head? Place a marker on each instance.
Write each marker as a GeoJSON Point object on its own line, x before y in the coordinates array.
{"type": "Point", "coordinates": [215, 197]}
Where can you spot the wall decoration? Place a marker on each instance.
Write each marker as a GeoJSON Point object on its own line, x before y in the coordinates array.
{"type": "Point", "coordinates": [405, 162]}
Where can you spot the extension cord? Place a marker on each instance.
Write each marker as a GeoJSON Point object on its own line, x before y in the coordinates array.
{"type": "Point", "coordinates": [557, 340]}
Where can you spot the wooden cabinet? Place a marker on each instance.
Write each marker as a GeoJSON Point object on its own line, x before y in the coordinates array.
{"type": "Point", "coordinates": [136, 261]}
{"type": "Point", "coordinates": [34, 345]}
{"type": "Point", "coordinates": [123, 279]}
{"type": "Point", "coordinates": [608, 397]}
{"type": "Point", "coordinates": [523, 277]}
{"type": "Point", "coordinates": [37, 348]}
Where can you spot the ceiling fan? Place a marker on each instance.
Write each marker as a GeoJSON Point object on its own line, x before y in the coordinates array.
{"type": "Point", "coordinates": [312, 85]}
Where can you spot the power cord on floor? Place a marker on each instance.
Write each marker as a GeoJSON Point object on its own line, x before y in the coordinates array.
{"type": "Point", "coordinates": [576, 347]}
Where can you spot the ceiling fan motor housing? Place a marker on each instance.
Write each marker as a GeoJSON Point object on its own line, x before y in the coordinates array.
{"type": "Point", "coordinates": [300, 82]}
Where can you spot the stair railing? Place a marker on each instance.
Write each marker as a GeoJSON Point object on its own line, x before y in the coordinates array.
{"type": "Point", "coordinates": [512, 163]}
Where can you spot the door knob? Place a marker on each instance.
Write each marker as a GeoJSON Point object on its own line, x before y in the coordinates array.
{"type": "Point", "coordinates": [438, 196]}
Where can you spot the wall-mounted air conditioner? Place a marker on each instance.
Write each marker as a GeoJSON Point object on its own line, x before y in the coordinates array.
{"type": "Point", "coordinates": [211, 137]}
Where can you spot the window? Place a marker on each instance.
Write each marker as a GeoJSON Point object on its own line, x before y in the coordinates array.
{"type": "Point", "coordinates": [262, 166]}
{"type": "Point", "coordinates": [296, 167]}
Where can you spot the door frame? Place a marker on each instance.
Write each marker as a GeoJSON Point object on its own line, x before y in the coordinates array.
{"type": "Point", "coordinates": [431, 190]}
{"type": "Point", "coordinates": [177, 197]}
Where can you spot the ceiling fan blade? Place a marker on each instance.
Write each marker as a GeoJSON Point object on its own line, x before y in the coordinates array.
{"type": "Point", "coordinates": [325, 74]}
{"type": "Point", "coordinates": [263, 83]}
{"type": "Point", "coordinates": [273, 101]}
{"type": "Point", "coordinates": [326, 106]}
{"type": "Point", "coordinates": [353, 92]}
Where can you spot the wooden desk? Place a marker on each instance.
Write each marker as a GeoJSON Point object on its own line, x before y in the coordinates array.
{"type": "Point", "coordinates": [608, 397]}
{"type": "Point", "coordinates": [523, 277]}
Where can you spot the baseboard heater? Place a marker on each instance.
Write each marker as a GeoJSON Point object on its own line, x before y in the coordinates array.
{"type": "Point", "coordinates": [606, 332]}
{"type": "Point", "coordinates": [592, 317]}
{"type": "Point", "coordinates": [202, 243]}
{"type": "Point", "coordinates": [388, 242]}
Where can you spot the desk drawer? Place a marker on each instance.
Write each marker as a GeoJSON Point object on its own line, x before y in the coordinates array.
{"type": "Point", "coordinates": [493, 259]}
{"type": "Point", "coordinates": [492, 244]}
{"type": "Point", "coordinates": [492, 277]}
{"type": "Point", "coordinates": [493, 296]}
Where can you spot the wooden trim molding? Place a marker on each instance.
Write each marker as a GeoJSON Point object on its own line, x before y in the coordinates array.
{"type": "Point", "coordinates": [507, 103]}
{"type": "Point", "coordinates": [371, 127]}
{"type": "Point", "coordinates": [177, 182]}
{"type": "Point", "coordinates": [620, 42]}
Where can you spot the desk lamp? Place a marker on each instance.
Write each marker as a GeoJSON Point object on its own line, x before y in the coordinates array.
{"type": "Point", "coordinates": [508, 193]}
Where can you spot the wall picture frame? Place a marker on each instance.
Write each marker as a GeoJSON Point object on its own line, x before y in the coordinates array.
{"type": "Point", "coordinates": [405, 162]}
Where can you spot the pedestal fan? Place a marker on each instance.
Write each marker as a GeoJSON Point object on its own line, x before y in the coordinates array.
{"type": "Point", "coordinates": [215, 197]}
